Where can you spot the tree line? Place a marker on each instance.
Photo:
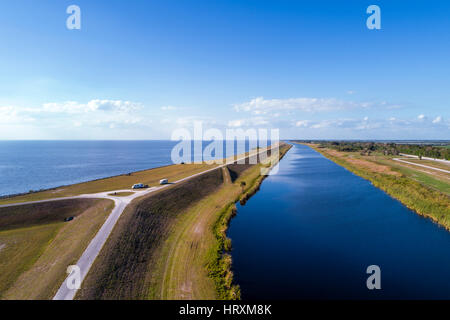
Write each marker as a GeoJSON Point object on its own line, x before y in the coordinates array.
{"type": "Point", "coordinates": [389, 148]}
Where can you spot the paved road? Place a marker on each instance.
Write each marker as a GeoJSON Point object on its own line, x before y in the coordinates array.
{"type": "Point", "coordinates": [421, 165]}
{"type": "Point", "coordinates": [90, 254]}
{"type": "Point", "coordinates": [425, 158]}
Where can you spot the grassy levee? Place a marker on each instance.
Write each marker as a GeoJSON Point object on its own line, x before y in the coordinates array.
{"type": "Point", "coordinates": [124, 267]}
{"type": "Point", "coordinates": [37, 246]}
{"type": "Point", "coordinates": [166, 245]}
{"type": "Point", "coordinates": [150, 177]}
{"type": "Point", "coordinates": [419, 197]}
{"type": "Point", "coordinates": [190, 252]}
{"type": "Point", "coordinates": [41, 213]}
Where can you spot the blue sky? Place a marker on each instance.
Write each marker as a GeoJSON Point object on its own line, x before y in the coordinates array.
{"type": "Point", "coordinates": [141, 69]}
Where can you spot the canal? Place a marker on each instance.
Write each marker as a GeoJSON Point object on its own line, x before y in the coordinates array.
{"type": "Point", "coordinates": [314, 228]}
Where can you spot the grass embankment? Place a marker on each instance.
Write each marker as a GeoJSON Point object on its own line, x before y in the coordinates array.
{"type": "Point", "coordinates": [165, 245]}
{"type": "Point", "coordinates": [422, 197]}
{"type": "Point", "coordinates": [150, 177]}
{"type": "Point", "coordinates": [125, 268]}
{"type": "Point", "coordinates": [37, 246]}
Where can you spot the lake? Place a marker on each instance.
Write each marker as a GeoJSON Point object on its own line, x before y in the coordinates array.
{"type": "Point", "coordinates": [36, 165]}
{"type": "Point", "coordinates": [314, 228]}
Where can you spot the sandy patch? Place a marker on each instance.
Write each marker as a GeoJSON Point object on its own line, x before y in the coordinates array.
{"type": "Point", "coordinates": [374, 167]}
{"type": "Point", "coordinates": [2, 246]}
{"type": "Point", "coordinates": [369, 165]}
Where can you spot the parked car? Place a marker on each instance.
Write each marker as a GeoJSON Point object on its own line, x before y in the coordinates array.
{"type": "Point", "coordinates": [138, 186]}
{"type": "Point", "coordinates": [163, 181]}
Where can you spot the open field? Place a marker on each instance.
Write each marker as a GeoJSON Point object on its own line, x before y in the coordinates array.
{"type": "Point", "coordinates": [38, 245]}
{"type": "Point", "coordinates": [123, 270]}
{"type": "Point", "coordinates": [430, 163]}
{"type": "Point", "coordinates": [434, 179]}
{"type": "Point", "coordinates": [162, 244]}
{"type": "Point", "coordinates": [424, 192]}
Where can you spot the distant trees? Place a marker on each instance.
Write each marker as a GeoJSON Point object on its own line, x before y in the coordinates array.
{"type": "Point", "coordinates": [366, 148]}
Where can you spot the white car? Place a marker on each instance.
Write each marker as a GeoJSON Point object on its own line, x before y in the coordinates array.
{"type": "Point", "coordinates": [163, 181]}
{"type": "Point", "coordinates": [138, 186]}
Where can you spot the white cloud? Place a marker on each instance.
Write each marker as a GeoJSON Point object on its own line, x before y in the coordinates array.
{"type": "Point", "coordinates": [261, 106]}
{"type": "Point", "coordinates": [438, 119]}
{"type": "Point", "coordinates": [421, 117]}
{"type": "Point", "coordinates": [168, 108]}
{"type": "Point", "coordinates": [190, 120]}
{"type": "Point", "coordinates": [257, 121]}
{"type": "Point", "coordinates": [10, 115]}
{"type": "Point", "coordinates": [73, 107]}
{"type": "Point", "coordinates": [302, 123]}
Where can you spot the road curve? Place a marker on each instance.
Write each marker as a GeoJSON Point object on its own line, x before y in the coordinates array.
{"type": "Point", "coordinates": [90, 254]}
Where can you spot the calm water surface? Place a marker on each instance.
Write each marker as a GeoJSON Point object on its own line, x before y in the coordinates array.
{"type": "Point", "coordinates": [35, 165]}
{"type": "Point", "coordinates": [314, 228]}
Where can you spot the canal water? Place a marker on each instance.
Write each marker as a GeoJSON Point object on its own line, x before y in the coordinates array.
{"type": "Point", "coordinates": [314, 228]}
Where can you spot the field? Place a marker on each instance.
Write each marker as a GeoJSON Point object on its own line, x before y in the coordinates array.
{"type": "Point", "coordinates": [167, 245]}
{"type": "Point", "coordinates": [424, 191]}
{"type": "Point", "coordinates": [124, 268]}
{"type": "Point", "coordinates": [37, 245]}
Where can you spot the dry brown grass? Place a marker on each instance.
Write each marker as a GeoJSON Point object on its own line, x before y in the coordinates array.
{"type": "Point", "coordinates": [124, 268]}
{"type": "Point", "coordinates": [368, 165]}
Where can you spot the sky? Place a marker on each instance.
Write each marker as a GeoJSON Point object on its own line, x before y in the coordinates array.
{"type": "Point", "coordinates": [142, 69]}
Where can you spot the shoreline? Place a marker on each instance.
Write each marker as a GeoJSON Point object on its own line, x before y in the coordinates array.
{"type": "Point", "coordinates": [9, 196]}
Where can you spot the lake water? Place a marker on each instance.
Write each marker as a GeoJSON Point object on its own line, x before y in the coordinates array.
{"type": "Point", "coordinates": [35, 165]}
{"type": "Point", "coordinates": [314, 228]}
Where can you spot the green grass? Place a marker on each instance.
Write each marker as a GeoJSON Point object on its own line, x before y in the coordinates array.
{"type": "Point", "coordinates": [22, 248]}
{"type": "Point", "coordinates": [42, 213]}
{"type": "Point", "coordinates": [425, 179]}
{"type": "Point", "coordinates": [38, 246]}
{"type": "Point", "coordinates": [124, 268]}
